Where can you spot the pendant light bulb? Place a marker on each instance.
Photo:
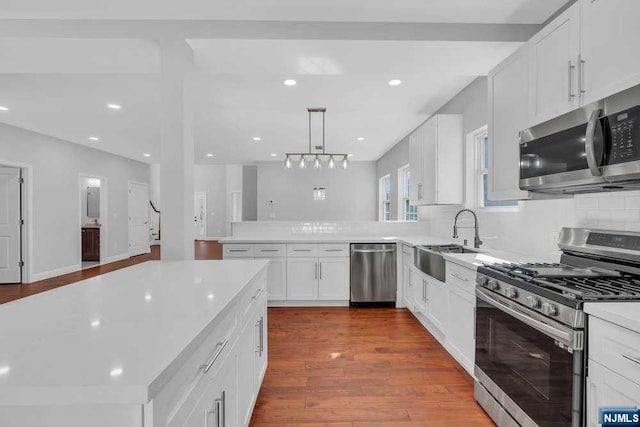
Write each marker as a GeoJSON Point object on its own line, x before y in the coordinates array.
{"type": "Point", "coordinates": [345, 162]}
{"type": "Point", "coordinates": [332, 163]}
{"type": "Point", "coordinates": [303, 163]}
{"type": "Point", "coordinates": [287, 162]}
{"type": "Point", "coordinates": [316, 162]}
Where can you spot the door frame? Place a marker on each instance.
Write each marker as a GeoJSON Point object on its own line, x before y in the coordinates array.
{"type": "Point", "coordinates": [196, 194]}
{"type": "Point", "coordinates": [104, 218]}
{"type": "Point", "coordinates": [26, 212]}
{"type": "Point", "coordinates": [146, 184]}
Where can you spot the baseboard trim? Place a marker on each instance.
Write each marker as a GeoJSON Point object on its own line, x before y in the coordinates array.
{"type": "Point", "coordinates": [308, 303]}
{"type": "Point", "coordinates": [116, 258]}
{"type": "Point", "coordinates": [36, 277]}
{"type": "Point", "coordinates": [210, 239]}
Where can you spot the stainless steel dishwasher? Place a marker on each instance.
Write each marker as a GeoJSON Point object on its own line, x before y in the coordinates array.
{"type": "Point", "coordinates": [373, 274]}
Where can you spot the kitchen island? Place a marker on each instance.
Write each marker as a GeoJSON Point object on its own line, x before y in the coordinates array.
{"type": "Point", "coordinates": [157, 344]}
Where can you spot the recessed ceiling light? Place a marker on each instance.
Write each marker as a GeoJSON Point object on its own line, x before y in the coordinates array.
{"type": "Point", "coordinates": [350, 155]}
{"type": "Point", "coordinates": [94, 138]}
{"type": "Point", "coordinates": [116, 372]}
{"type": "Point", "coordinates": [360, 138]}
{"type": "Point", "coordinates": [3, 108]}
{"type": "Point", "coordinates": [290, 82]}
{"type": "Point", "coordinates": [147, 155]}
{"type": "Point", "coordinates": [274, 155]}
{"type": "Point", "coordinates": [114, 106]}
{"type": "Point", "coordinates": [209, 155]}
{"type": "Point", "coordinates": [257, 138]}
{"type": "Point", "coordinates": [95, 323]}
{"type": "Point", "coordinates": [395, 82]}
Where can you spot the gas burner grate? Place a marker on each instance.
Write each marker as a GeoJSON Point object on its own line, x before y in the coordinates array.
{"type": "Point", "coordinates": [625, 287]}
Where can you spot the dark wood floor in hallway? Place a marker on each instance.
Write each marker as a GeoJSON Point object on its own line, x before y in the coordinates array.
{"type": "Point", "coordinates": [361, 367]}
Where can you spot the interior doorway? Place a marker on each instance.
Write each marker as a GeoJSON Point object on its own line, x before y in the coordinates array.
{"type": "Point", "coordinates": [11, 223]}
{"type": "Point", "coordinates": [93, 218]}
{"type": "Point", "coordinates": [200, 214]}
{"type": "Point", "coordinates": [139, 233]}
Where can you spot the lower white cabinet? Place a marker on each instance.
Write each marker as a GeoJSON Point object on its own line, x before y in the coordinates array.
{"type": "Point", "coordinates": [460, 341]}
{"type": "Point", "coordinates": [277, 279]}
{"type": "Point", "coordinates": [317, 278]}
{"type": "Point", "coordinates": [437, 305]}
{"type": "Point", "coordinates": [419, 291]}
{"type": "Point", "coordinates": [607, 388]}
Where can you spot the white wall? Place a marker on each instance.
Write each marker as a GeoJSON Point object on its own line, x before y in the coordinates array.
{"type": "Point", "coordinates": [351, 194]}
{"type": "Point", "coordinates": [389, 164]}
{"type": "Point", "coordinates": [56, 166]}
{"type": "Point", "coordinates": [212, 179]}
{"type": "Point", "coordinates": [533, 229]}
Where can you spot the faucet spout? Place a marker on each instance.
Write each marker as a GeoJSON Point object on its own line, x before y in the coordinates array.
{"type": "Point", "coordinates": [476, 239]}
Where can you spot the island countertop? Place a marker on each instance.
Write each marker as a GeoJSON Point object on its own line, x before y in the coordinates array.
{"type": "Point", "coordinates": [115, 338]}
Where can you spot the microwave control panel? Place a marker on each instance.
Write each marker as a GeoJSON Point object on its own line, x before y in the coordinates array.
{"type": "Point", "coordinates": [625, 136]}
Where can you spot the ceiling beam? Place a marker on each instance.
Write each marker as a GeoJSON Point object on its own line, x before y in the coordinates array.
{"type": "Point", "coordinates": [274, 30]}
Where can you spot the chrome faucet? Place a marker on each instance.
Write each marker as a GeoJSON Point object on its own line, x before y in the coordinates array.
{"type": "Point", "coordinates": [476, 239]}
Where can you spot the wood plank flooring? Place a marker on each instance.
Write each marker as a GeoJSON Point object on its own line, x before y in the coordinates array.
{"type": "Point", "coordinates": [360, 367]}
{"type": "Point", "coordinates": [203, 250]}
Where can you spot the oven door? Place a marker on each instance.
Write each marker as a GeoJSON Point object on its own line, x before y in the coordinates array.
{"type": "Point", "coordinates": [530, 364]}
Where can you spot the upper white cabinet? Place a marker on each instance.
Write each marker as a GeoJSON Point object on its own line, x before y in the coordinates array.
{"type": "Point", "coordinates": [555, 53]}
{"type": "Point", "coordinates": [437, 161]}
{"type": "Point", "coordinates": [508, 85]}
{"type": "Point", "coordinates": [609, 29]}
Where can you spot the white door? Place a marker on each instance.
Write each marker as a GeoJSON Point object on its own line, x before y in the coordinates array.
{"type": "Point", "coordinates": [302, 278]}
{"type": "Point", "coordinates": [607, 28]}
{"type": "Point", "coordinates": [438, 304]}
{"type": "Point", "coordinates": [608, 388]}
{"type": "Point", "coordinates": [277, 279]}
{"type": "Point", "coordinates": [10, 244]}
{"type": "Point", "coordinates": [554, 66]}
{"type": "Point", "coordinates": [430, 161]}
{"type": "Point", "coordinates": [334, 279]}
{"type": "Point", "coordinates": [200, 214]}
{"type": "Point", "coordinates": [461, 327]}
{"type": "Point", "coordinates": [138, 219]}
{"type": "Point", "coordinates": [415, 166]}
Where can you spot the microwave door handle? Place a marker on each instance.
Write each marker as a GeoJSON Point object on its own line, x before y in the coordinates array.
{"type": "Point", "coordinates": [558, 334]}
{"type": "Point", "coordinates": [589, 144]}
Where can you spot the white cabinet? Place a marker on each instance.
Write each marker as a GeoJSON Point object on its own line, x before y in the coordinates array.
{"type": "Point", "coordinates": [437, 303]}
{"type": "Point", "coordinates": [420, 292]}
{"type": "Point", "coordinates": [555, 53]}
{"type": "Point", "coordinates": [302, 278]}
{"type": "Point", "coordinates": [437, 161]}
{"type": "Point", "coordinates": [333, 276]}
{"type": "Point", "coordinates": [460, 339]}
{"type": "Point", "coordinates": [407, 264]}
{"type": "Point", "coordinates": [277, 279]}
{"type": "Point", "coordinates": [608, 29]}
{"type": "Point", "coordinates": [607, 388]}
{"type": "Point", "coordinates": [508, 85]}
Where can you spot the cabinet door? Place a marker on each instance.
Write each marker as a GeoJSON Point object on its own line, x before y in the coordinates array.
{"type": "Point", "coordinates": [302, 278]}
{"type": "Point", "coordinates": [260, 359]}
{"type": "Point", "coordinates": [460, 339]}
{"type": "Point", "coordinates": [449, 163]}
{"type": "Point", "coordinates": [608, 29]}
{"type": "Point", "coordinates": [607, 388]}
{"type": "Point", "coordinates": [508, 115]}
{"type": "Point", "coordinates": [219, 403]}
{"type": "Point", "coordinates": [437, 304]}
{"type": "Point", "coordinates": [419, 287]}
{"type": "Point", "coordinates": [277, 279]}
{"type": "Point", "coordinates": [415, 165]}
{"type": "Point", "coordinates": [407, 289]}
{"type": "Point", "coordinates": [554, 66]}
{"type": "Point", "coordinates": [246, 350]}
{"type": "Point", "coordinates": [334, 279]}
{"type": "Point", "coordinates": [429, 162]}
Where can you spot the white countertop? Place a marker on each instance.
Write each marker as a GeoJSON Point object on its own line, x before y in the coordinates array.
{"type": "Point", "coordinates": [623, 313]}
{"type": "Point", "coordinates": [62, 346]}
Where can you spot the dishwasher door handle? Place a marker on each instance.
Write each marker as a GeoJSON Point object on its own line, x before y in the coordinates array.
{"type": "Point", "coordinates": [372, 251]}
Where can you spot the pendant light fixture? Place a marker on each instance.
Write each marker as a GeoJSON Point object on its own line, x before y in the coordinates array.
{"type": "Point", "coordinates": [317, 157]}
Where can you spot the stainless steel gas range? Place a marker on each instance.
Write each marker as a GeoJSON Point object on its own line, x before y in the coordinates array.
{"type": "Point", "coordinates": [530, 326]}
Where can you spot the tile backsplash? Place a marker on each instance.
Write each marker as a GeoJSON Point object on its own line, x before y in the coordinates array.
{"type": "Point", "coordinates": [534, 228]}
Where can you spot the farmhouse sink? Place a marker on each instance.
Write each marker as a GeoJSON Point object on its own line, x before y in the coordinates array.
{"type": "Point", "coordinates": [429, 259]}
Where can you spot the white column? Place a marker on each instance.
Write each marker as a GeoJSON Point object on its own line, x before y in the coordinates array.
{"type": "Point", "coordinates": [176, 148]}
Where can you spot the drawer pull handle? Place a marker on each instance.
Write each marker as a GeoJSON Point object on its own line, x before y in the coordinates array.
{"type": "Point", "coordinates": [269, 250]}
{"type": "Point", "coordinates": [255, 297]}
{"type": "Point", "coordinates": [457, 276]}
{"type": "Point", "coordinates": [631, 358]}
{"type": "Point", "coordinates": [238, 250]}
{"type": "Point", "coordinates": [334, 250]}
{"type": "Point", "coordinates": [219, 348]}
{"type": "Point", "coordinates": [302, 250]}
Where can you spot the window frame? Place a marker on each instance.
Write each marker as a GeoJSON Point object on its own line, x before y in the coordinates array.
{"type": "Point", "coordinates": [384, 198]}
{"type": "Point", "coordinates": [404, 195]}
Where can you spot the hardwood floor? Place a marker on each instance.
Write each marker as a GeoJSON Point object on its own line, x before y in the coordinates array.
{"type": "Point", "coordinates": [203, 250]}
{"type": "Point", "coordinates": [360, 367]}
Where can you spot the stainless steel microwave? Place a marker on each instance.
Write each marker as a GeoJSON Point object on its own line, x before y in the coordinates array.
{"type": "Point", "coordinates": [600, 155]}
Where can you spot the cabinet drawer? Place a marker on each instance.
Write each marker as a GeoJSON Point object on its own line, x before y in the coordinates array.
{"type": "Point", "coordinates": [237, 251]}
{"type": "Point", "coordinates": [177, 398]}
{"type": "Point", "coordinates": [251, 295]}
{"type": "Point", "coordinates": [334, 250]}
{"type": "Point", "coordinates": [269, 250]}
{"type": "Point", "coordinates": [305, 250]}
{"type": "Point", "coordinates": [407, 250]}
{"type": "Point", "coordinates": [461, 277]}
{"type": "Point", "coordinates": [616, 347]}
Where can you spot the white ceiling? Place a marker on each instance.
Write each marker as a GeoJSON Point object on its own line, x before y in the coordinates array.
{"type": "Point", "coordinates": [459, 11]}
{"type": "Point", "coordinates": [60, 87]}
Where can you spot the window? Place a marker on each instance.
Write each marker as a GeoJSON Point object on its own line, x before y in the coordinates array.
{"type": "Point", "coordinates": [385, 198]}
{"type": "Point", "coordinates": [478, 145]}
{"type": "Point", "coordinates": [406, 211]}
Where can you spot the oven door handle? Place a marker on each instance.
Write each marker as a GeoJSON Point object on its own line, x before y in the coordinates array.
{"type": "Point", "coordinates": [565, 337]}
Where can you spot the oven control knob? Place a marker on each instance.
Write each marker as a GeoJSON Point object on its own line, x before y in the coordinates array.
{"type": "Point", "coordinates": [549, 309]}
{"type": "Point", "coordinates": [533, 302]}
{"type": "Point", "coordinates": [511, 293]}
{"type": "Point", "coordinates": [482, 280]}
{"type": "Point", "coordinates": [493, 285]}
